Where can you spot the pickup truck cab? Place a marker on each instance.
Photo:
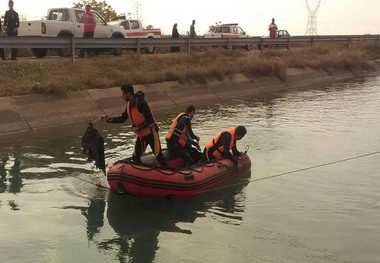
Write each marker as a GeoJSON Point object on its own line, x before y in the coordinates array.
{"type": "Point", "coordinates": [281, 33]}
{"type": "Point", "coordinates": [135, 29]}
{"type": "Point", "coordinates": [67, 22]}
{"type": "Point", "coordinates": [229, 31]}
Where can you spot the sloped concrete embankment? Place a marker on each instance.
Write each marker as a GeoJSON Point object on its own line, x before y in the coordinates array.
{"type": "Point", "coordinates": [29, 112]}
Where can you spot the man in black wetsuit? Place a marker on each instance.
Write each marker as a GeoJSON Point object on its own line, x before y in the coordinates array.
{"type": "Point", "coordinates": [180, 138]}
{"type": "Point", "coordinates": [223, 143]}
{"type": "Point", "coordinates": [143, 124]}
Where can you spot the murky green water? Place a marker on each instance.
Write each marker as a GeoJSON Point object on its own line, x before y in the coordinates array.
{"type": "Point", "coordinates": [48, 213]}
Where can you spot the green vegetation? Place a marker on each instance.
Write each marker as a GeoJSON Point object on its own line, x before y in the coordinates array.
{"type": "Point", "coordinates": [58, 76]}
{"type": "Point", "coordinates": [104, 9]}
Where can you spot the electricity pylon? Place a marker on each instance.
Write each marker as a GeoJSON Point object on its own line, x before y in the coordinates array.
{"type": "Point", "coordinates": [311, 28]}
{"type": "Point", "coordinates": [137, 10]}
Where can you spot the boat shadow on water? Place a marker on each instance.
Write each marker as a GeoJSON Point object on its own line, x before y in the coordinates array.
{"type": "Point", "coordinates": [138, 221]}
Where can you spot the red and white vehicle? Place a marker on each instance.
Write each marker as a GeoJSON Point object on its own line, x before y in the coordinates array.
{"type": "Point", "coordinates": [229, 31]}
{"type": "Point", "coordinates": [135, 29]}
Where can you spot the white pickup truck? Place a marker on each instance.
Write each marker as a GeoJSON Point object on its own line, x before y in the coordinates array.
{"type": "Point", "coordinates": [229, 31]}
{"type": "Point", "coordinates": [135, 29]}
{"type": "Point", "coordinates": [67, 22]}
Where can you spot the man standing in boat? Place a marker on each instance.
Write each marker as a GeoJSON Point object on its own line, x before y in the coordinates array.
{"type": "Point", "coordinates": [143, 124]}
{"type": "Point", "coordinates": [223, 143]}
{"type": "Point", "coordinates": [180, 138]}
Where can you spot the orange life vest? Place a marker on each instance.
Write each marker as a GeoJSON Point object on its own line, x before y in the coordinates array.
{"type": "Point", "coordinates": [137, 118]}
{"type": "Point", "coordinates": [217, 153]}
{"type": "Point", "coordinates": [173, 130]}
{"type": "Point", "coordinates": [88, 22]}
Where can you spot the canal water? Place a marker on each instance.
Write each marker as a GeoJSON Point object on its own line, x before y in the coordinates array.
{"type": "Point", "coordinates": [50, 210]}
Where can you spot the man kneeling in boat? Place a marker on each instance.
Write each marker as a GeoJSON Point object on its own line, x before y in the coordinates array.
{"type": "Point", "coordinates": [223, 143]}
{"type": "Point", "coordinates": [143, 124]}
{"type": "Point", "coordinates": [180, 138]}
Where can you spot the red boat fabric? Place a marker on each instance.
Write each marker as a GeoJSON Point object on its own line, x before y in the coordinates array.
{"type": "Point", "coordinates": [143, 180]}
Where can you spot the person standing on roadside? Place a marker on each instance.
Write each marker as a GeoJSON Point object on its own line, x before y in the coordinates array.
{"type": "Point", "coordinates": [1, 49]}
{"type": "Point", "coordinates": [272, 30]}
{"type": "Point", "coordinates": [175, 34]}
{"type": "Point", "coordinates": [89, 25]}
{"type": "Point", "coordinates": [11, 24]}
{"type": "Point", "coordinates": [192, 30]}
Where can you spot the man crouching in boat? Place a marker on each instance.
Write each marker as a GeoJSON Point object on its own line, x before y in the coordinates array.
{"type": "Point", "coordinates": [143, 124]}
{"type": "Point", "coordinates": [180, 137]}
{"type": "Point", "coordinates": [223, 143]}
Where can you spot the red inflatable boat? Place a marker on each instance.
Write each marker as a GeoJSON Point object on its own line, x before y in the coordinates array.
{"type": "Point", "coordinates": [146, 179]}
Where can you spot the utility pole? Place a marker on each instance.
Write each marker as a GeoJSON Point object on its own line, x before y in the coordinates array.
{"type": "Point", "coordinates": [137, 10]}
{"type": "Point", "coordinates": [311, 28]}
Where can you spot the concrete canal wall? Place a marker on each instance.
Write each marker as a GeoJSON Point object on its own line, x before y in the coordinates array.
{"type": "Point", "coordinates": [23, 113]}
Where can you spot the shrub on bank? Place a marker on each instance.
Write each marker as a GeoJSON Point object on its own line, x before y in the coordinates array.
{"type": "Point", "coordinates": [57, 76]}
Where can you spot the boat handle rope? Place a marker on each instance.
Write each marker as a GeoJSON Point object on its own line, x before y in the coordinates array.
{"type": "Point", "coordinates": [246, 148]}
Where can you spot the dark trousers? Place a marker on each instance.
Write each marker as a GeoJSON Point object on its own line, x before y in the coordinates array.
{"type": "Point", "coordinates": [13, 50]}
{"type": "Point", "coordinates": [188, 153]}
{"type": "Point", "coordinates": [154, 142]}
{"type": "Point", "coordinates": [176, 149]}
{"type": "Point", "coordinates": [89, 50]}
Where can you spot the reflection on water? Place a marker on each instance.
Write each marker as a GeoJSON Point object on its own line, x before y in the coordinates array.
{"type": "Point", "coordinates": [139, 221]}
{"type": "Point", "coordinates": [10, 179]}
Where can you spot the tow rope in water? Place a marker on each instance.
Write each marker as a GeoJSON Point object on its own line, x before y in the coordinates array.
{"type": "Point", "coordinates": [294, 171]}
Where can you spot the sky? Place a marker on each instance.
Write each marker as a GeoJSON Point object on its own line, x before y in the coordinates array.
{"type": "Point", "coordinates": [335, 17]}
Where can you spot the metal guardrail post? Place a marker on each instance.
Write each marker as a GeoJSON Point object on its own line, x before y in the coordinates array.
{"type": "Point", "coordinates": [289, 43]}
{"type": "Point", "coordinates": [261, 44]}
{"type": "Point", "coordinates": [312, 42]}
{"type": "Point", "coordinates": [229, 46]}
{"type": "Point", "coordinates": [72, 57]}
{"type": "Point", "coordinates": [189, 45]}
{"type": "Point", "coordinates": [138, 48]}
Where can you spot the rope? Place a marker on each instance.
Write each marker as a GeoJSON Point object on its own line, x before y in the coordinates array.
{"type": "Point", "coordinates": [99, 185]}
{"type": "Point", "coordinates": [291, 172]}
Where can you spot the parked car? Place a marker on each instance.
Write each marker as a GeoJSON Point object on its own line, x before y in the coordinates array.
{"type": "Point", "coordinates": [67, 22]}
{"type": "Point", "coordinates": [279, 34]}
{"type": "Point", "coordinates": [229, 31]}
{"type": "Point", "coordinates": [135, 29]}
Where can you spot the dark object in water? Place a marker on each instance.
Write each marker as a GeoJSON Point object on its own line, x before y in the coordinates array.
{"type": "Point", "coordinates": [93, 147]}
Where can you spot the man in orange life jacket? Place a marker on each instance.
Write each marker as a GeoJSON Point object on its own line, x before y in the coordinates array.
{"type": "Point", "coordinates": [223, 143]}
{"type": "Point", "coordinates": [143, 123]}
{"type": "Point", "coordinates": [181, 137]}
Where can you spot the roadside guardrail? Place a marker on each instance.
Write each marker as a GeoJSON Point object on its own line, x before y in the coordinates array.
{"type": "Point", "coordinates": [140, 43]}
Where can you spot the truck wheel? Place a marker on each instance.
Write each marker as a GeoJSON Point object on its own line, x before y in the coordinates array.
{"type": "Point", "coordinates": [248, 47]}
{"type": "Point", "coordinates": [64, 52]}
{"type": "Point", "coordinates": [39, 52]}
{"type": "Point", "coordinates": [117, 51]}
{"type": "Point", "coordinates": [149, 50]}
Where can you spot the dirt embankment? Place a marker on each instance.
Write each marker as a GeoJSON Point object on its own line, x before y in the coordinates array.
{"type": "Point", "coordinates": [58, 92]}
